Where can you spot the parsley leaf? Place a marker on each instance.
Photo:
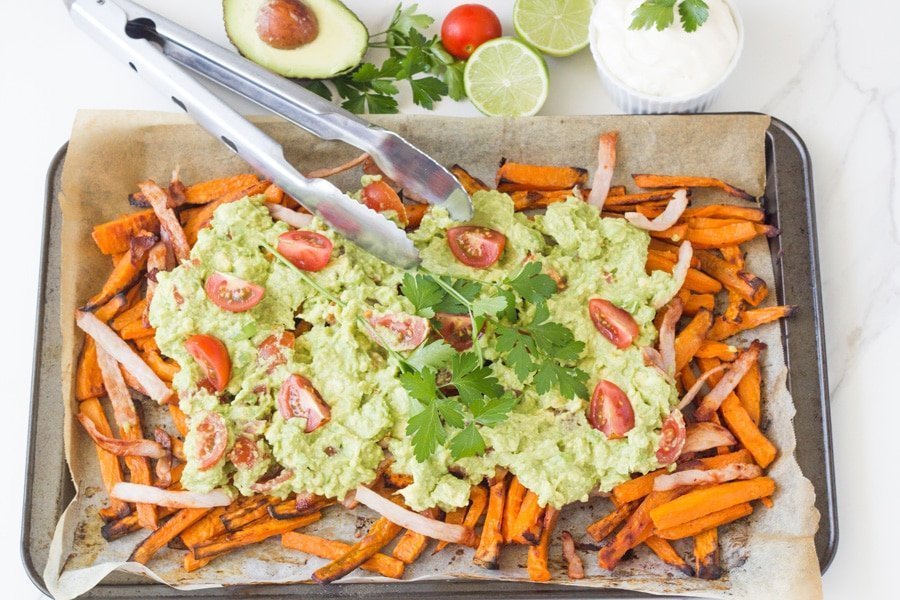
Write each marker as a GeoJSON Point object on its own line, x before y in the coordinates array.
{"type": "Point", "coordinates": [472, 379]}
{"type": "Point", "coordinates": [406, 19]}
{"type": "Point", "coordinates": [490, 411]}
{"type": "Point", "coordinates": [435, 355]}
{"type": "Point", "coordinates": [423, 292]}
{"type": "Point", "coordinates": [319, 88]}
{"type": "Point", "coordinates": [420, 385]}
{"type": "Point", "coordinates": [652, 13]}
{"type": "Point", "coordinates": [693, 14]}
{"type": "Point", "coordinates": [427, 432]}
{"type": "Point", "coordinates": [465, 288]}
{"type": "Point", "coordinates": [453, 76]}
{"type": "Point", "coordinates": [467, 442]}
{"type": "Point", "coordinates": [533, 285]}
{"type": "Point", "coordinates": [449, 409]}
{"type": "Point", "coordinates": [426, 90]}
{"type": "Point", "coordinates": [489, 306]}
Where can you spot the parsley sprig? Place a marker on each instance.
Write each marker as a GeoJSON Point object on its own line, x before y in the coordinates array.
{"type": "Point", "coordinates": [661, 14]}
{"type": "Point", "coordinates": [430, 71]}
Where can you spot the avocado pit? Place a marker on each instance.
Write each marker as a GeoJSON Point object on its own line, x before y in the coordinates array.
{"type": "Point", "coordinates": [286, 24]}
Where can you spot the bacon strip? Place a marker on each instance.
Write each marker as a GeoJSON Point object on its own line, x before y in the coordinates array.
{"type": "Point", "coordinates": [679, 272]}
{"type": "Point", "coordinates": [117, 390]}
{"type": "Point", "coordinates": [293, 218]}
{"type": "Point", "coordinates": [606, 163]}
{"type": "Point", "coordinates": [731, 472]}
{"type": "Point", "coordinates": [666, 219]}
{"type": "Point", "coordinates": [714, 399]}
{"type": "Point", "coordinates": [168, 221]}
{"type": "Point", "coordinates": [398, 515]}
{"type": "Point", "coordinates": [147, 448]}
{"type": "Point", "coordinates": [576, 567]}
{"type": "Point", "coordinates": [698, 385]}
{"type": "Point", "coordinates": [148, 494]}
{"type": "Point", "coordinates": [118, 349]}
{"type": "Point", "coordinates": [328, 172]}
{"type": "Point", "coordinates": [667, 336]}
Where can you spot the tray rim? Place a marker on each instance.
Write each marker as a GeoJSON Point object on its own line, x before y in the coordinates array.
{"type": "Point", "coordinates": [831, 515]}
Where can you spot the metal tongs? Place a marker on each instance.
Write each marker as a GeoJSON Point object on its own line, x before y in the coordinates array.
{"type": "Point", "coordinates": [161, 52]}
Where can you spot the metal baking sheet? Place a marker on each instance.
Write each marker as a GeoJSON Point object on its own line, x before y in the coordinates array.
{"type": "Point", "coordinates": [789, 203]}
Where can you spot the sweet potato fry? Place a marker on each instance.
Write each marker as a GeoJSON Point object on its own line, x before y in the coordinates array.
{"type": "Point", "coordinates": [512, 176]}
{"type": "Point", "coordinates": [470, 184]}
{"type": "Point", "coordinates": [703, 501]}
{"type": "Point", "coordinates": [689, 339]}
{"type": "Point", "coordinates": [114, 237]}
{"type": "Point", "coordinates": [180, 521]}
{"type": "Point", "coordinates": [412, 544]}
{"type": "Point", "coordinates": [88, 380]}
{"type": "Point", "coordinates": [748, 391]}
{"type": "Point", "coordinates": [258, 507]}
{"type": "Point", "coordinates": [637, 529]}
{"type": "Point", "coordinates": [648, 181]}
{"type": "Point", "coordinates": [179, 419]}
{"type": "Point", "coordinates": [514, 497]}
{"type": "Point", "coordinates": [697, 526]}
{"type": "Point", "coordinates": [169, 225]}
{"type": "Point", "coordinates": [640, 198]}
{"type": "Point", "coordinates": [487, 554]}
{"type": "Point", "coordinates": [676, 233]}
{"type": "Point", "coordinates": [706, 554]}
{"type": "Point", "coordinates": [539, 552]}
{"type": "Point", "coordinates": [207, 528]}
{"type": "Point", "coordinates": [120, 527]}
{"type": "Point", "coordinates": [718, 350]}
{"type": "Point", "coordinates": [379, 536]}
{"type": "Point", "coordinates": [125, 274]}
{"type": "Point", "coordinates": [711, 223]}
{"type": "Point", "coordinates": [254, 533]}
{"type": "Point", "coordinates": [532, 199]}
{"type": "Point", "coordinates": [746, 431]}
{"type": "Point", "coordinates": [616, 190]}
{"type": "Point", "coordinates": [767, 502]}
{"type": "Point", "coordinates": [668, 554]}
{"type": "Point", "coordinates": [478, 499]}
{"type": "Point", "coordinates": [414, 214]}
{"type": "Point", "coordinates": [603, 528]}
{"type": "Point", "coordinates": [332, 550]}
{"type": "Point", "coordinates": [727, 235]}
{"type": "Point", "coordinates": [110, 469]}
{"type": "Point", "coordinates": [748, 286]}
{"type": "Point", "coordinates": [454, 517]}
{"type": "Point", "coordinates": [207, 191]}
{"type": "Point", "coordinates": [695, 281]}
{"type": "Point", "coordinates": [274, 194]}
{"type": "Point", "coordinates": [128, 316]}
{"type": "Point", "coordinates": [651, 210]}
{"type": "Point", "coordinates": [635, 489]}
{"type": "Point", "coordinates": [725, 211]}
{"type": "Point", "coordinates": [201, 217]}
{"type": "Point", "coordinates": [694, 303]}
{"type": "Point", "coordinates": [529, 521]}
{"type": "Point", "coordinates": [166, 369]}
{"type": "Point", "coordinates": [750, 319]}
{"type": "Point", "coordinates": [136, 329]}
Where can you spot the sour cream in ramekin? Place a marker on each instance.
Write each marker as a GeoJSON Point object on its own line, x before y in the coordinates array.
{"type": "Point", "coordinates": [664, 71]}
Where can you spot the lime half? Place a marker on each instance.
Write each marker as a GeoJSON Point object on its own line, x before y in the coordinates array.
{"type": "Point", "coordinates": [506, 78]}
{"type": "Point", "coordinates": [555, 27]}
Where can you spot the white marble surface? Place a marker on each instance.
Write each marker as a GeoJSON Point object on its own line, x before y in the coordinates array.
{"type": "Point", "coordinates": [830, 68]}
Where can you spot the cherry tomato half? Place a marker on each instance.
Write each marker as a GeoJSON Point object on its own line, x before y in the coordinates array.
{"type": "Point", "coordinates": [271, 351]}
{"type": "Point", "coordinates": [474, 246]}
{"type": "Point", "coordinates": [233, 293]}
{"type": "Point", "coordinates": [307, 250]}
{"type": "Point", "coordinates": [380, 197]}
{"type": "Point", "coordinates": [400, 331]}
{"type": "Point", "coordinates": [468, 26]}
{"type": "Point", "coordinates": [244, 454]}
{"type": "Point", "coordinates": [614, 323]}
{"type": "Point", "coordinates": [212, 356]}
{"type": "Point", "coordinates": [610, 410]}
{"type": "Point", "coordinates": [298, 398]}
{"type": "Point", "coordinates": [212, 435]}
{"type": "Point", "coordinates": [456, 330]}
{"type": "Point", "coordinates": [672, 438]}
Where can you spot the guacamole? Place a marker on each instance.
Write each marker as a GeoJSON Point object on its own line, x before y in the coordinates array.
{"type": "Point", "coordinates": [546, 440]}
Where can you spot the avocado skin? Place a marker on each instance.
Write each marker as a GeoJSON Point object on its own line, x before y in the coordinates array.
{"type": "Point", "coordinates": [297, 66]}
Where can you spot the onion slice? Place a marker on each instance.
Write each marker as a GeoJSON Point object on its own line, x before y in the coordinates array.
{"type": "Point", "coordinates": [666, 482]}
{"type": "Point", "coordinates": [705, 435]}
{"type": "Point", "coordinates": [606, 163]}
{"type": "Point", "coordinates": [147, 448]}
{"type": "Point", "coordinates": [148, 494]}
{"type": "Point", "coordinates": [698, 385]}
{"type": "Point", "coordinates": [447, 532]}
{"type": "Point", "coordinates": [713, 400]}
{"type": "Point", "coordinates": [118, 349]}
{"type": "Point", "coordinates": [666, 219]}
{"type": "Point", "coordinates": [667, 336]}
{"type": "Point", "coordinates": [293, 218]}
{"type": "Point", "coordinates": [679, 273]}
{"type": "Point", "coordinates": [328, 172]}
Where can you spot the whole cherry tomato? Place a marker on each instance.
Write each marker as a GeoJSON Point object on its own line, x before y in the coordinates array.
{"type": "Point", "coordinates": [468, 26]}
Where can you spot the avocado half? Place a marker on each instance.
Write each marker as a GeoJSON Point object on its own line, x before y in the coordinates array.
{"type": "Point", "coordinates": [339, 46]}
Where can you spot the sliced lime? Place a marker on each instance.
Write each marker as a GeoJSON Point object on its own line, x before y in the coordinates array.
{"type": "Point", "coordinates": [506, 78]}
{"type": "Point", "coordinates": [555, 27]}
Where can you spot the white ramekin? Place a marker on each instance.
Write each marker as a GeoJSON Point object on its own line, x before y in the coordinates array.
{"type": "Point", "coordinates": [633, 102]}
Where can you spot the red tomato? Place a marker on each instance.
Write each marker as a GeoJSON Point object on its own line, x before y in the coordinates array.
{"type": "Point", "coordinates": [456, 330]}
{"type": "Point", "coordinates": [298, 398]}
{"type": "Point", "coordinates": [271, 351]}
{"type": "Point", "coordinates": [468, 26]}
{"type": "Point", "coordinates": [233, 293]}
{"type": "Point", "coordinates": [380, 197]}
{"type": "Point", "coordinates": [400, 331]}
{"type": "Point", "coordinates": [474, 246]}
{"type": "Point", "coordinates": [610, 410]}
{"type": "Point", "coordinates": [614, 323]}
{"type": "Point", "coordinates": [212, 355]}
{"type": "Point", "coordinates": [671, 439]}
{"type": "Point", "coordinates": [307, 250]}
{"type": "Point", "coordinates": [212, 435]}
{"type": "Point", "coordinates": [244, 454]}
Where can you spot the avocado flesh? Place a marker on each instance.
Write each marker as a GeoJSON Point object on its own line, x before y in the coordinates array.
{"type": "Point", "coordinates": [340, 45]}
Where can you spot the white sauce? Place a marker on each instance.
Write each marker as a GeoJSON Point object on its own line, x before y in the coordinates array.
{"type": "Point", "coordinates": [671, 63]}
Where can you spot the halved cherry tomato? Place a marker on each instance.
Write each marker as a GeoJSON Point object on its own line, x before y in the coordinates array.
{"type": "Point", "coordinates": [614, 323]}
{"type": "Point", "coordinates": [298, 398]}
{"type": "Point", "coordinates": [474, 246]}
{"type": "Point", "coordinates": [212, 435]}
{"type": "Point", "coordinates": [456, 330]}
{"type": "Point", "coordinates": [400, 331]}
{"type": "Point", "coordinates": [212, 355]}
{"type": "Point", "coordinates": [271, 351]}
{"type": "Point", "coordinates": [468, 26]}
{"type": "Point", "coordinates": [672, 437]}
{"type": "Point", "coordinates": [380, 197]}
{"type": "Point", "coordinates": [233, 293]}
{"type": "Point", "coordinates": [244, 454]}
{"type": "Point", "coordinates": [307, 250]}
{"type": "Point", "coordinates": [610, 410]}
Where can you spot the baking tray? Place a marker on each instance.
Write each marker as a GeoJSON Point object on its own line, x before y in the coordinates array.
{"type": "Point", "coordinates": [789, 204]}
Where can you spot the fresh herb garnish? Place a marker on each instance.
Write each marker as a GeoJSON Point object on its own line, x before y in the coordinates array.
{"type": "Point", "coordinates": [423, 63]}
{"type": "Point", "coordinates": [661, 14]}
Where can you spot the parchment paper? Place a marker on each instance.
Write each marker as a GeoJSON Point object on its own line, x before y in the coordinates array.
{"type": "Point", "coordinates": [770, 555]}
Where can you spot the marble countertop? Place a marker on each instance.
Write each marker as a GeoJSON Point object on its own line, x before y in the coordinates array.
{"type": "Point", "coordinates": [829, 68]}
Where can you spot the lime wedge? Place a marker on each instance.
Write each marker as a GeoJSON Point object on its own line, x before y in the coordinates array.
{"type": "Point", "coordinates": [506, 78]}
{"type": "Point", "coordinates": [555, 27]}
